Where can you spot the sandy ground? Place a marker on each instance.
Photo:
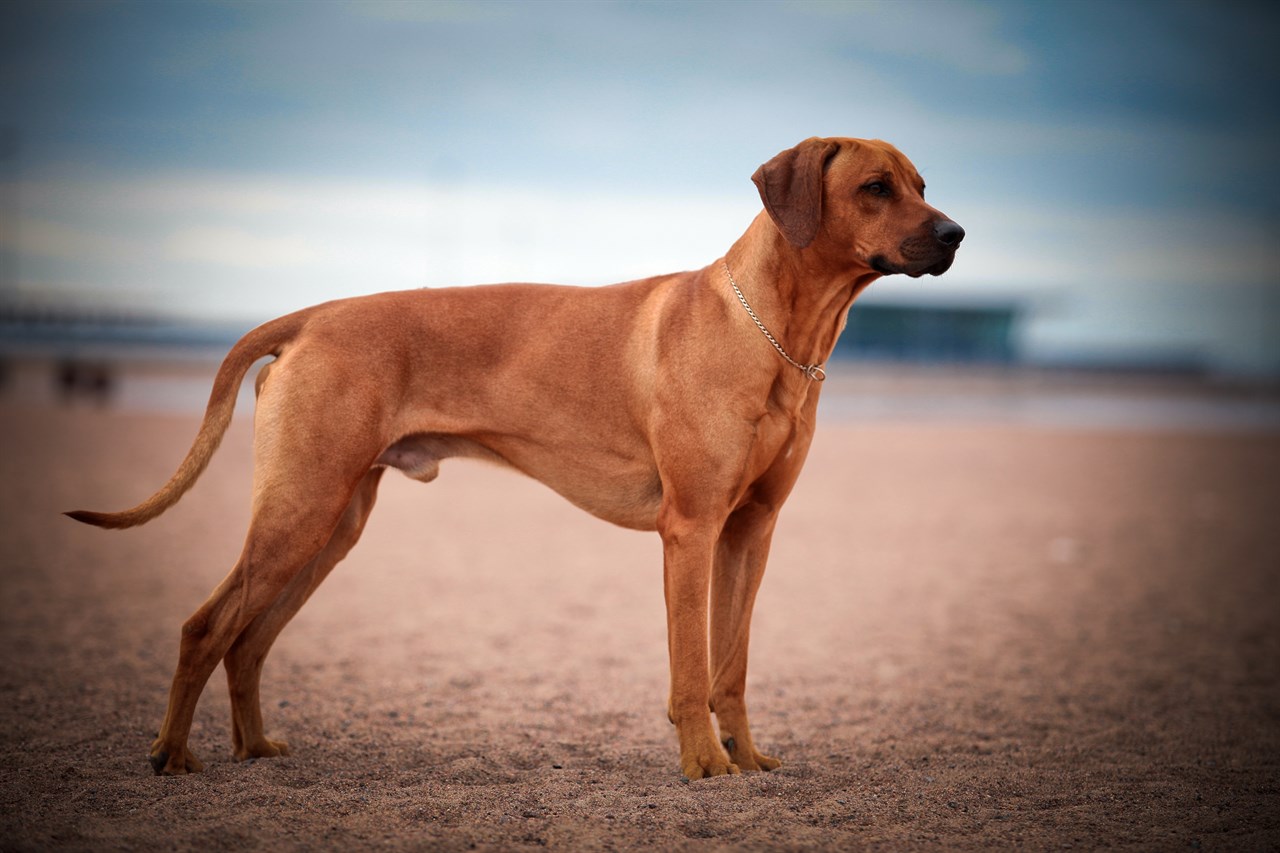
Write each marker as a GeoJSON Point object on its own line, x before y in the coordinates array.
{"type": "Point", "coordinates": [969, 637]}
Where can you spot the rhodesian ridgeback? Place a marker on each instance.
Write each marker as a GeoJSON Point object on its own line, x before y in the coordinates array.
{"type": "Point", "coordinates": [682, 403]}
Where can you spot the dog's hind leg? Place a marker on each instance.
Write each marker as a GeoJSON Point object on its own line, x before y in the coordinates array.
{"type": "Point", "coordinates": [310, 466]}
{"type": "Point", "coordinates": [243, 661]}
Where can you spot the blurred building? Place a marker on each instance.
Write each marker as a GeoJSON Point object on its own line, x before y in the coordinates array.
{"type": "Point", "coordinates": [970, 333]}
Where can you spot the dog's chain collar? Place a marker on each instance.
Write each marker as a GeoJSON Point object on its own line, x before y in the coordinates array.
{"type": "Point", "coordinates": [813, 371]}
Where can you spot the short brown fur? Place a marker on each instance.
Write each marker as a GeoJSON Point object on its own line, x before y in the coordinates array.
{"type": "Point", "coordinates": [655, 404]}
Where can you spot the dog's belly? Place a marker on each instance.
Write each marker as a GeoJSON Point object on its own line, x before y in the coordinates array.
{"type": "Point", "coordinates": [619, 488]}
{"type": "Point", "coordinates": [626, 497]}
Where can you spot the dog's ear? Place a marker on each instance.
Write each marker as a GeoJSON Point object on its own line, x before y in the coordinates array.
{"type": "Point", "coordinates": [791, 188]}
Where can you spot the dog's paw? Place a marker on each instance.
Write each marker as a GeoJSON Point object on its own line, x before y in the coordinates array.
{"type": "Point", "coordinates": [177, 762]}
{"type": "Point", "coordinates": [262, 748]}
{"type": "Point", "coordinates": [709, 763]}
{"type": "Point", "coordinates": [748, 758]}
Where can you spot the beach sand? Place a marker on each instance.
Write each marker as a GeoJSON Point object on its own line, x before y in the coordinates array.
{"type": "Point", "coordinates": [970, 636]}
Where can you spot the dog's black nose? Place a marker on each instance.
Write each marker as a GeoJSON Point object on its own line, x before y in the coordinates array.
{"type": "Point", "coordinates": [948, 233]}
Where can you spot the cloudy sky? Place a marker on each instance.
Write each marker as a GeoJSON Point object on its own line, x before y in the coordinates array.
{"type": "Point", "coordinates": [1113, 163]}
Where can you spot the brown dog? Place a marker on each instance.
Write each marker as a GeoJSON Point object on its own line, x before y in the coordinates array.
{"type": "Point", "coordinates": [655, 404]}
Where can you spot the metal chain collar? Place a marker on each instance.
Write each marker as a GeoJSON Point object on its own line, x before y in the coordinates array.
{"type": "Point", "coordinates": [813, 371]}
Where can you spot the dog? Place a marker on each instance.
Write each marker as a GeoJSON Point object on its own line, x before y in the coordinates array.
{"type": "Point", "coordinates": [682, 403]}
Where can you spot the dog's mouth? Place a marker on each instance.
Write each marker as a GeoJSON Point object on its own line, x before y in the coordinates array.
{"type": "Point", "coordinates": [930, 253]}
{"type": "Point", "coordinates": [939, 268]}
{"type": "Point", "coordinates": [881, 264]}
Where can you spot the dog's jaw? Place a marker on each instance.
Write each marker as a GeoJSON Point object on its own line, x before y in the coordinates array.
{"type": "Point", "coordinates": [883, 267]}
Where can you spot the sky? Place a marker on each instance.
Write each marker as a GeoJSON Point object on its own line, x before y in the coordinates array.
{"type": "Point", "coordinates": [1112, 163]}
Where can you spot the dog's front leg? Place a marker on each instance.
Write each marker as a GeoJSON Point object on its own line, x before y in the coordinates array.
{"type": "Point", "coordinates": [688, 547]}
{"type": "Point", "coordinates": [739, 567]}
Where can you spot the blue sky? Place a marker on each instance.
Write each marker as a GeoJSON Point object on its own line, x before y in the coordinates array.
{"type": "Point", "coordinates": [1112, 162]}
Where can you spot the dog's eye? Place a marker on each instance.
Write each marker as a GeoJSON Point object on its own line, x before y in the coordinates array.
{"type": "Point", "coordinates": [879, 188]}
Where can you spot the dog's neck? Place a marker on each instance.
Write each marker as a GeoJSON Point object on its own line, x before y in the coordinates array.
{"type": "Point", "coordinates": [793, 291]}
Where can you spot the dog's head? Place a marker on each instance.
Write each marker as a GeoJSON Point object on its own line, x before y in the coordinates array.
{"type": "Point", "coordinates": [860, 201]}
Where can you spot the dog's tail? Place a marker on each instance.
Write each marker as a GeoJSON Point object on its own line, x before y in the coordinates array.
{"type": "Point", "coordinates": [267, 339]}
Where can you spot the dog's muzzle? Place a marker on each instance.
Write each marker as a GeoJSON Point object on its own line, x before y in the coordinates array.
{"type": "Point", "coordinates": [925, 255]}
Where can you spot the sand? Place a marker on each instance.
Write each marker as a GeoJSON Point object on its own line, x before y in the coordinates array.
{"type": "Point", "coordinates": [970, 636]}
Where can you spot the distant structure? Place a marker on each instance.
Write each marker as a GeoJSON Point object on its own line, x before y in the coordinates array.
{"type": "Point", "coordinates": [81, 350]}
{"type": "Point", "coordinates": [981, 332]}
{"type": "Point", "coordinates": [966, 334]}
{"type": "Point", "coordinates": [70, 332]}
{"type": "Point", "coordinates": [9, 174]}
